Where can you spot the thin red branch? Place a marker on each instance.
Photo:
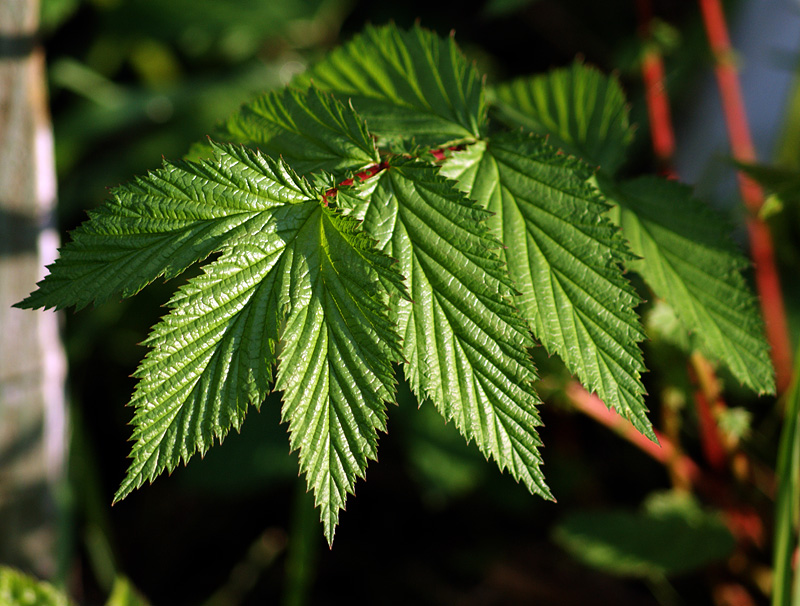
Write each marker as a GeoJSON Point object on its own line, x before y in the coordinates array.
{"type": "Point", "coordinates": [658, 110]}
{"type": "Point", "coordinates": [665, 452]}
{"type": "Point", "coordinates": [365, 174]}
{"type": "Point", "coordinates": [713, 450]}
{"type": "Point", "coordinates": [663, 138]}
{"type": "Point", "coordinates": [743, 522]}
{"type": "Point", "coordinates": [708, 399]}
{"type": "Point", "coordinates": [369, 172]}
{"type": "Point", "coordinates": [742, 148]}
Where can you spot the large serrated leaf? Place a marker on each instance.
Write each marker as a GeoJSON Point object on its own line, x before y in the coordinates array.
{"type": "Point", "coordinates": [163, 223]}
{"type": "Point", "coordinates": [212, 355]}
{"type": "Point", "coordinates": [563, 255]}
{"type": "Point", "coordinates": [689, 260]}
{"type": "Point", "coordinates": [336, 364]}
{"type": "Point", "coordinates": [582, 110]}
{"type": "Point", "coordinates": [464, 343]}
{"type": "Point", "coordinates": [407, 84]}
{"type": "Point", "coordinates": [309, 129]}
{"type": "Point", "coordinates": [301, 273]}
{"type": "Point", "coordinates": [290, 268]}
{"type": "Point", "coordinates": [313, 279]}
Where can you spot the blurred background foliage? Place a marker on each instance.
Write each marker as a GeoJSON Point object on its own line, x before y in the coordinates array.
{"type": "Point", "coordinates": [134, 80]}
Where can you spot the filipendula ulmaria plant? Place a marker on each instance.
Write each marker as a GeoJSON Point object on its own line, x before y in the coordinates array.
{"type": "Point", "coordinates": [375, 212]}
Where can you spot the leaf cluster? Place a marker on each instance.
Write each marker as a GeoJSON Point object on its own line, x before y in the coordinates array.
{"type": "Point", "coordinates": [390, 208]}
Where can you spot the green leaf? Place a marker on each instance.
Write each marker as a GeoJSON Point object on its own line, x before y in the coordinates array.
{"type": "Point", "coordinates": [563, 255]}
{"type": "Point", "coordinates": [582, 111]}
{"type": "Point", "coordinates": [335, 366]}
{"type": "Point", "coordinates": [465, 345]}
{"type": "Point", "coordinates": [212, 355]}
{"type": "Point", "coordinates": [18, 589]}
{"type": "Point", "coordinates": [163, 223]}
{"type": "Point", "coordinates": [407, 84]}
{"type": "Point", "coordinates": [689, 260]}
{"type": "Point", "coordinates": [673, 535]}
{"type": "Point", "coordinates": [310, 130]}
{"type": "Point", "coordinates": [309, 277]}
{"type": "Point", "coordinates": [662, 323]}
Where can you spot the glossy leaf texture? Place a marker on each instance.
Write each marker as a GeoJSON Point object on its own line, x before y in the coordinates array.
{"type": "Point", "coordinates": [464, 343]}
{"type": "Point", "coordinates": [564, 257]}
{"type": "Point", "coordinates": [289, 261]}
{"type": "Point", "coordinates": [579, 109]}
{"type": "Point", "coordinates": [310, 130]}
{"type": "Point", "coordinates": [161, 224]}
{"type": "Point", "coordinates": [688, 258]}
{"type": "Point", "coordinates": [336, 364]}
{"type": "Point", "coordinates": [308, 277]}
{"type": "Point", "coordinates": [342, 247]}
{"type": "Point", "coordinates": [406, 84]}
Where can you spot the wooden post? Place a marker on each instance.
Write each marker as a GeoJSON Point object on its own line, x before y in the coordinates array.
{"type": "Point", "coordinates": [32, 363]}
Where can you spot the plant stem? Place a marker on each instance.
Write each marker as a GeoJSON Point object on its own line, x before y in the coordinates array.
{"type": "Point", "coordinates": [787, 505]}
{"type": "Point", "coordinates": [766, 273]}
{"type": "Point", "coordinates": [663, 138]}
{"type": "Point", "coordinates": [245, 574]}
{"type": "Point", "coordinates": [302, 557]}
{"type": "Point", "coordinates": [708, 399]}
{"type": "Point", "coordinates": [743, 523]}
{"type": "Point", "coordinates": [665, 452]}
{"type": "Point", "coordinates": [658, 111]}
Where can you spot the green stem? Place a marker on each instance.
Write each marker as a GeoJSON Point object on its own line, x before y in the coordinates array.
{"type": "Point", "coordinates": [245, 574]}
{"type": "Point", "coordinates": [302, 557]}
{"type": "Point", "coordinates": [787, 504]}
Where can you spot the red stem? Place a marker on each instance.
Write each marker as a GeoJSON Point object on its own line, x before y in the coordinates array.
{"type": "Point", "coordinates": [708, 399]}
{"type": "Point", "coordinates": [663, 139]}
{"type": "Point", "coordinates": [767, 280]}
{"type": "Point", "coordinates": [658, 110]}
{"type": "Point", "coordinates": [367, 173]}
{"type": "Point", "coordinates": [665, 453]}
{"type": "Point", "coordinates": [713, 450]}
{"type": "Point", "coordinates": [655, 89]}
{"type": "Point", "coordinates": [743, 522]}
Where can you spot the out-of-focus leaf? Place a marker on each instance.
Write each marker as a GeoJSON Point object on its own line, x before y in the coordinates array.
{"type": "Point", "coordinates": [125, 594]}
{"type": "Point", "coordinates": [18, 589]}
{"type": "Point", "coordinates": [55, 12]}
{"type": "Point", "coordinates": [502, 8]}
{"type": "Point", "coordinates": [688, 258]}
{"type": "Point", "coordinates": [671, 536]}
